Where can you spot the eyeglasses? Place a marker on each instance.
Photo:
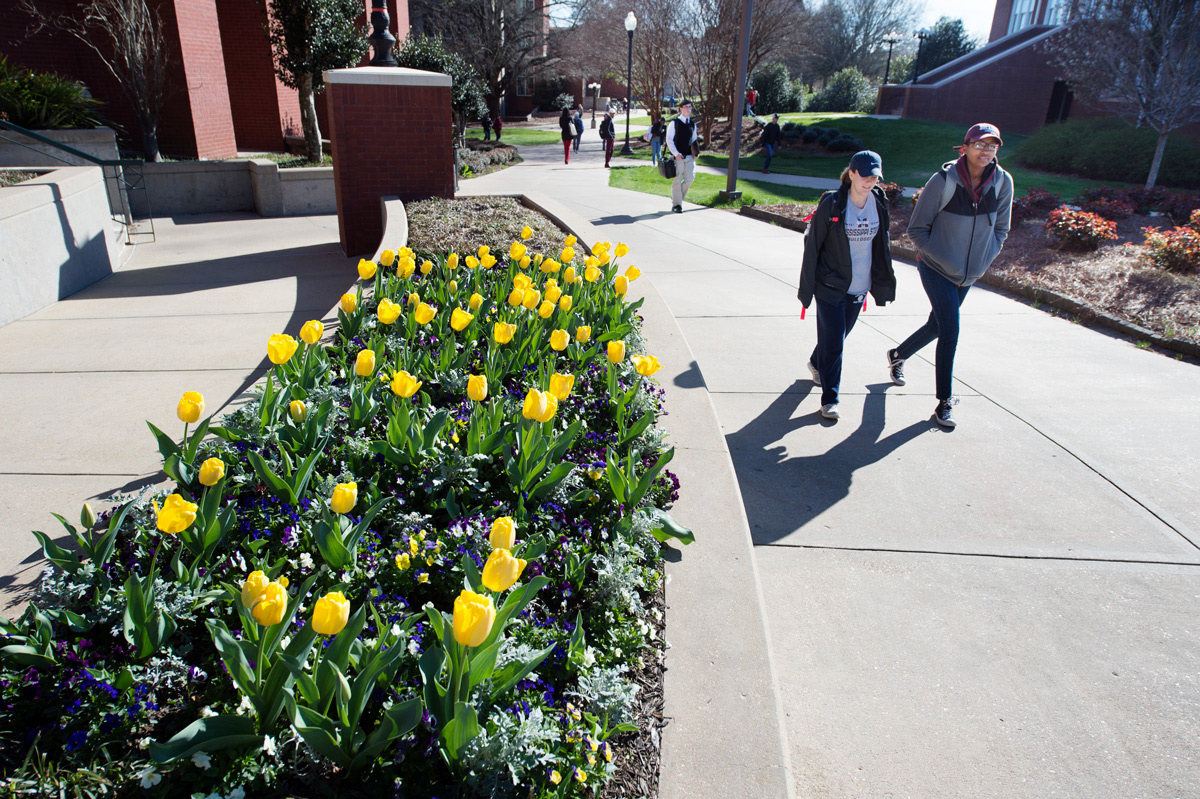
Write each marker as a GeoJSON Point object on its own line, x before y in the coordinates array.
{"type": "Point", "coordinates": [991, 148]}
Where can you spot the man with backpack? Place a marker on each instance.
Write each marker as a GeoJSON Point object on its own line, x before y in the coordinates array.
{"type": "Point", "coordinates": [608, 135]}
{"type": "Point", "coordinates": [770, 140]}
{"type": "Point", "coordinates": [681, 141]}
{"type": "Point", "coordinates": [959, 227]}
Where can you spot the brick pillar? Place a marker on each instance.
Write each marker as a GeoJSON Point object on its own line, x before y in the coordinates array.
{"type": "Point", "coordinates": [390, 131]}
{"type": "Point", "coordinates": [207, 88]}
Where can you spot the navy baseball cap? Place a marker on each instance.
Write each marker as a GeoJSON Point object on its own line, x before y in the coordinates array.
{"type": "Point", "coordinates": [982, 131]}
{"type": "Point", "coordinates": [867, 162]}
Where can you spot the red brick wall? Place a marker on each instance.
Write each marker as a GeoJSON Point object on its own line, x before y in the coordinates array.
{"type": "Point", "coordinates": [207, 88]}
{"type": "Point", "coordinates": [263, 108]}
{"type": "Point", "coordinates": [387, 140]}
{"type": "Point", "coordinates": [1000, 20]}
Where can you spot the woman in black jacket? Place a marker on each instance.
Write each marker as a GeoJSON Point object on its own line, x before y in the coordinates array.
{"type": "Point", "coordinates": [568, 134]}
{"type": "Point", "coordinates": [847, 253]}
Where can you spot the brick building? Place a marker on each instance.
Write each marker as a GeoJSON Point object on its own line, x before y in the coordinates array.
{"type": "Point", "coordinates": [224, 94]}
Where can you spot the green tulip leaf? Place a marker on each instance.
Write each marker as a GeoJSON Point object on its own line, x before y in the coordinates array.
{"type": "Point", "coordinates": [318, 731]}
{"type": "Point", "coordinates": [62, 558]}
{"type": "Point", "coordinates": [636, 430]}
{"type": "Point", "coordinates": [470, 573]}
{"type": "Point", "coordinates": [483, 662]}
{"type": "Point", "coordinates": [233, 656]}
{"type": "Point", "coordinates": [550, 482]}
{"type": "Point", "coordinates": [433, 427]}
{"type": "Point", "coordinates": [398, 720]}
{"type": "Point", "coordinates": [166, 446]}
{"type": "Point", "coordinates": [665, 528]}
{"type": "Point", "coordinates": [431, 663]}
{"type": "Point", "coordinates": [514, 672]}
{"type": "Point", "coordinates": [304, 681]}
{"type": "Point", "coordinates": [27, 655]}
{"type": "Point", "coordinates": [279, 487]}
{"type": "Point", "coordinates": [460, 730]}
{"type": "Point", "coordinates": [209, 735]}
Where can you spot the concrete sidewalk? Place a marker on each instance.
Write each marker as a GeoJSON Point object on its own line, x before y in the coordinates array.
{"type": "Point", "coordinates": [1005, 610]}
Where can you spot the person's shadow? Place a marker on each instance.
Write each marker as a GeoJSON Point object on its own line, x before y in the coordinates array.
{"type": "Point", "coordinates": [782, 494]}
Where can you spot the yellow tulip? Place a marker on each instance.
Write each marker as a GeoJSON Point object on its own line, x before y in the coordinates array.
{"type": "Point", "coordinates": [453, 285]}
{"type": "Point", "coordinates": [298, 411]}
{"type": "Point", "coordinates": [591, 261]}
{"type": "Point", "coordinates": [550, 265]}
{"type": "Point", "coordinates": [483, 250]}
{"type": "Point", "coordinates": [331, 613]}
{"type": "Point", "coordinates": [616, 351]}
{"type": "Point", "coordinates": [472, 261]}
{"type": "Point", "coordinates": [526, 232]}
{"type": "Point", "coordinates": [602, 257]}
{"type": "Point", "coordinates": [312, 331]}
{"type": "Point", "coordinates": [521, 281]}
{"type": "Point", "coordinates": [190, 407]}
{"type": "Point", "coordinates": [622, 250]}
{"type": "Point", "coordinates": [620, 285]}
{"type": "Point", "coordinates": [406, 266]}
{"type": "Point", "coordinates": [426, 267]}
{"type": "Point", "coordinates": [590, 274]}
{"type": "Point", "coordinates": [516, 297]}
{"type": "Point", "coordinates": [537, 259]}
{"type": "Point", "coordinates": [633, 273]}
{"type": "Point", "coordinates": [545, 309]}
{"type": "Point", "coordinates": [452, 261]}
{"type": "Point", "coordinates": [516, 250]}
{"type": "Point", "coordinates": [404, 252]}
{"type": "Point", "coordinates": [459, 319]}
{"type": "Point", "coordinates": [404, 384]}
{"type": "Point", "coordinates": [364, 364]}
{"type": "Point", "coordinates": [387, 257]}
{"type": "Point", "coordinates": [344, 497]}
{"type": "Point", "coordinates": [269, 609]}
{"type": "Point", "coordinates": [553, 292]}
{"type": "Point", "coordinates": [535, 404]}
{"type": "Point", "coordinates": [561, 385]}
{"type": "Point", "coordinates": [503, 332]}
{"type": "Point", "coordinates": [477, 387]}
{"type": "Point", "coordinates": [366, 269]}
{"type": "Point", "coordinates": [424, 313]}
{"type": "Point", "coordinates": [281, 348]}
{"type": "Point", "coordinates": [565, 303]}
{"type": "Point", "coordinates": [474, 615]}
{"type": "Point", "coordinates": [567, 255]}
{"type": "Point", "coordinates": [501, 570]}
{"type": "Point", "coordinates": [211, 471]}
{"type": "Point", "coordinates": [504, 533]}
{"type": "Point", "coordinates": [570, 241]}
{"type": "Point", "coordinates": [414, 298]}
{"type": "Point", "coordinates": [487, 261]}
{"type": "Point", "coordinates": [475, 302]}
{"type": "Point", "coordinates": [532, 298]}
{"type": "Point", "coordinates": [253, 588]}
{"type": "Point", "coordinates": [551, 408]}
{"type": "Point", "coordinates": [569, 275]}
{"type": "Point", "coordinates": [524, 262]}
{"type": "Point", "coordinates": [645, 365]}
{"type": "Point", "coordinates": [176, 515]}
{"type": "Point", "coordinates": [559, 340]}
{"type": "Point", "coordinates": [349, 303]}
{"type": "Point", "coordinates": [583, 334]}
{"type": "Point", "coordinates": [388, 311]}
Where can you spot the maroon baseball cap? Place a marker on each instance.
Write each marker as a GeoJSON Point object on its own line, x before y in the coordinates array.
{"type": "Point", "coordinates": [982, 130]}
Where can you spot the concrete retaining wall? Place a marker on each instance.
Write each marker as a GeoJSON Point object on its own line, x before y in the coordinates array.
{"type": "Point", "coordinates": [253, 184]}
{"type": "Point", "coordinates": [56, 237]}
{"type": "Point", "coordinates": [98, 142]}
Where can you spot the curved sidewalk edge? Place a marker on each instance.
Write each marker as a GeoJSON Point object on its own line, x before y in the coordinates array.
{"type": "Point", "coordinates": [726, 735]}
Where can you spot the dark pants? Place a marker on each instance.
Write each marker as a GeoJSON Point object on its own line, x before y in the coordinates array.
{"type": "Point", "coordinates": [770, 148]}
{"type": "Point", "coordinates": [487, 132]}
{"type": "Point", "coordinates": [945, 298]}
{"type": "Point", "coordinates": [608, 150]}
{"type": "Point", "coordinates": [834, 323]}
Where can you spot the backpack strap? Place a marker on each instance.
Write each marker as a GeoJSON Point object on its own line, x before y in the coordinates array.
{"type": "Point", "coordinates": [948, 187]}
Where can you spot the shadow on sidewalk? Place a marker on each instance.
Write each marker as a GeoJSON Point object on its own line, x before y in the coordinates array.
{"type": "Point", "coordinates": [782, 494]}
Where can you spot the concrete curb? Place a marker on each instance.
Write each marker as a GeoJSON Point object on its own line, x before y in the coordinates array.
{"type": "Point", "coordinates": [788, 222]}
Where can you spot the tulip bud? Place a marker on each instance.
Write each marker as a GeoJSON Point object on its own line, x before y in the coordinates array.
{"type": "Point", "coordinates": [583, 334]}
{"type": "Point", "coordinates": [535, 404]}
{"type": "Point", "coordinates": [253, 588]}
{"type": "Point", "coordinates": [591, 274]}
{"type": "Point", "coordinates": [551, 408]}
{"type": "Point", "coordinates": [532, 298]}
{"type": "Point", "coordinates": [472, 261]}
{"type": "Point", "coordinates": [453, 286]}
{"type": "Point", "coordinates": [645, 365]}
{"type": "Point", "coordinates": [567, 255]}
{"type": "Point", "coordinates": [526, 232]}
{"type": "Point", "coordinates": [504, 533]}
{"type": "Point", "coordinates": [621, 250]}
{"type": "Point", "coordinates": [426, 267]}
{"type": "Point", "coordinates": [516, 250]}
{"type": "Point", "coordinates": [477, 387]}
{"type": "Point", "coordinates": [87, 517]}
{"type": "Point", "coordinates": [570, 241]}
{"type": "Point", "coordinates": [521, 281]}
{"type": "Point", "coordinates": [452, 261]}
{"type": "Point", "coordinates": [343, 685]}
{"type": "Point", "coordinates": [487, 261]}
{"type": "Point", "coordinates": [387, 257]}
{"type": "Point", "coordinates": [553, 292]}
{"type": "Point", "coordinates": [561, 385]}
{"type": "Point", "coordinates": [414, 298]}
{"type": "Point", "coordinates": [269, 609]}
{"type": "Point", "coordinates": [474, 615]}
{"type": "Point", "coordinates": [633, 273]}
{"type": "Point", "coordinates": [475, 302]}
{"type": "Point", "coordinates": [565, 303]}
{"type": "Point", "coordinates": [298, 411]}
{"type": "Point", "coordinates": [387, 311]}
{"type": "Point", "coordinates": [176, 515]}
{"type": "Point", "coordinates": [349, 303]}
{"type": "Point", "coordinates": [364, 364]}
{"type": "Point", "coordinates": [569, 275]}
{"type": "Point", "coordinates": [191, 407]}
{"type": "Point", "coordinates": [545, 309]}
{"type": "Point", "coordinates": [501, 570]}
{"type": "Point", "coordinates": [344, 498]}
{"type": "Point", "coordinates": [620, 285]}
{"type": "Point", "coordinates": [483, 250]}
{"type": "Point", "coordinates": [211, 471]}
{"type": "Point", "coordinates": [331, 613]}
{"type": "Point", "coordinates": [616, 351]}
{"type": "Point", "coordinates": [524, 262]}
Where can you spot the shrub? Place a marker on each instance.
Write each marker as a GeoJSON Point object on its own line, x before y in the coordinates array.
{"type": "Point", "coordinates": [44, 101]}
{"type": "Point", "coordinates": [810, 136]}
{"type": "Point", "coordinates": [429, 53]}
{"type": "Point", "coordinates": [825, 138]}
{"type": "Point", "coordinates": [1176, 250]}
{"type": "Point", "coordinates": [775, 89]}
{"type": "Point", "coordinates": [546, 92]}
{"type": "Point", "coordinates": [1180, 206]}
{"type": "Point", "coordinates": [845, 143]}
{"type": "Point", "coordinates": [845, 91]}
{"type": "Point", "coordinates": [1109, 209]}
{"type": "Point", "coordinates": [893, 192]}
{"type": "Point", "coordinates": [562, 101]}
{"type": "Point", "coordinates": [1145, 200]}
{"type": "Point", "coordinates": [1036, 201]}
{"type": "Point", "coordinates": [1080, 230]}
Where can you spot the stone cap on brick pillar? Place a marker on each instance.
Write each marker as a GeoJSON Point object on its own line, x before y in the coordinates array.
{"type": "Point", "coordinates": [386, 76]}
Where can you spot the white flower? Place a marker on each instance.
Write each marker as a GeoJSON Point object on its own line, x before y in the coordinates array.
{"type": "Point", "coordinates": [202, 760]}
{"type": "Point", "coordinates": [144, 743]}
{"type": "Point", "coordinates": [236, 793]}
{"type": "Point", "coordinates": [306, 561]}
{"type": "Point", "coordinates": [207, 712]}
{"type": "Point", "coordinates": [268, 746]}
{"type": "Point", "coordinates": [245, 707]}
{"type": "Point", "coordinates": [286, 642]}
{"type": "Point", "coordinates": [396, 630]}
{"type": "Point", "coordinates": [149, 777]}
{"type": "Point", "coordinates": [412, 648]}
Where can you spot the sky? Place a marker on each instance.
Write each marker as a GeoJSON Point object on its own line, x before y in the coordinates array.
{"type": "Point", "coordinates": [975, 14]}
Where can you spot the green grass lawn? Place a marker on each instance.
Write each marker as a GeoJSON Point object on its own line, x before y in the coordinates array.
{"type": "Point", "coordinates": [704, 191]}
{"type": "Point", "coordinates": [520, 136]}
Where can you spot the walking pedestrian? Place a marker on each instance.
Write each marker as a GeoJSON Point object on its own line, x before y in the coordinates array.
{"type": "Point", "coordinates": [658, 134]}
{"type": "Point", "coordinates": [847, 253]}
{"type": "Point", "coordinates": [498, 125]}
{"type": "Point", "coordinates": [568, 134]}
{"type": "Point", "coordinates": [486, 121]}
{"type": "Point", "coordinates": [681, 139]}
{"type": "Point", "coordinates": [577, 121]}
{"type": "Point", "coordinates": [608, 136]}
{"type": "Point", "coordinates": [959, 227]}
{"type": "Point", "coordinates": [751, 99]}
{"type": "Point", "coordinates": [770, 140]}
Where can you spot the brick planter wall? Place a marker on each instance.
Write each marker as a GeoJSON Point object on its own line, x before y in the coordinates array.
{"type": "Point", "coordinates": [390, 132]}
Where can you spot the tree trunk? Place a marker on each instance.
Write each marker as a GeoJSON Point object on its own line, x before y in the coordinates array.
{"type": "Point", "coordinates": [149, 129]}
{"type": "Point", "coordinates": [308, 119]}
{"type": "Point", "coordinates": [1156, 162]}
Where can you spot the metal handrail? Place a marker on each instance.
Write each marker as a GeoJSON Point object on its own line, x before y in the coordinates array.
{"type": "Point", "coordinates": [128, 175]}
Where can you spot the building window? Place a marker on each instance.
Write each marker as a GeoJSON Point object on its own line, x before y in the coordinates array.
{"type": "Point", "coordinates": [524, 87]}
{"type": "Point", "coordinates": [1022, 15]}
{"type": "Point", "coordinates": [1056, 12]}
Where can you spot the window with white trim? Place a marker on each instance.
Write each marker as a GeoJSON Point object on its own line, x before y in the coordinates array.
{"type": "Point", "coordinates": [524, 87]}
{"type": "Point", "coordinates": [1022, 15]}
{"type": "Point", "coordinates": [1056, 12]}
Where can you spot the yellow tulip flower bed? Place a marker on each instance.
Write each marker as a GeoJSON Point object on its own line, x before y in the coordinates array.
{"type": "Point", "coordinates": [420, 562]}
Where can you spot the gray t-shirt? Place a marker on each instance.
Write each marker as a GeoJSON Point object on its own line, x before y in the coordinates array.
{"type": "Point", "coordinates": [861, 226]}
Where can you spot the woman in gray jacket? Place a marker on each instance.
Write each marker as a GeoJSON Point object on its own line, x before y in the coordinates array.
{"type": "Point", "coordinates": [959, 226]}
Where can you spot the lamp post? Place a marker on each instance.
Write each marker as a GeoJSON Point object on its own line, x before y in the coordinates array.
{"type": "Point", "coordinates": [381, 38]}
{"type": "Point", "coordinates": [889, 40]}
{"type": "Point", "coordinates": [735, 116]}
{"type": "Point", "coordinates": [595, 88]}
{"type": "Point", "coordinates": [921, 35]}
{"type": "Point", "coordinates": [630, 25]}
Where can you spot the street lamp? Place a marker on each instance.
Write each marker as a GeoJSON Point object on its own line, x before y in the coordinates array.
{"type": "Point", "coordinates": [595, 88]}
{"type": "Point", "coordinates": [630, 25]}
{"type": "Point", "coordinates": [889, 40]}
{"type": "Point", "coordinates": [921, 35]}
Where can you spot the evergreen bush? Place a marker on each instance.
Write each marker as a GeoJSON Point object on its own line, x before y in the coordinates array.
{"type": "Point", "coordinates": [1110, 149]}
{"type": "Point", "coordinates": [45, 101]}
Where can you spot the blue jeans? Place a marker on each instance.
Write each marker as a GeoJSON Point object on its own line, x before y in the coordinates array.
{"type": "Point", "coordinates": [578, 138]}
{"type": "Point", "coordinates": [656, 149]}
{"type": "Point", "coordinates": [834, 323]}
{"type": "Point", "coordinates": [945, 298]}
{"type": "Point", "coordinates": [770, 148]}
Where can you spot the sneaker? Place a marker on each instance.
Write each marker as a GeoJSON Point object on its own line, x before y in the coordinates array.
{"type": "Point", "coordinates": [896, 367]}
{"type": "Point", "coordinates": [830, 411]}
{"type": "Point", "coordinates": [677, 209]}
{"type": "Point", "coordinates": [816, 376]}
{"type": "Point", "coordinates": [944, 414]}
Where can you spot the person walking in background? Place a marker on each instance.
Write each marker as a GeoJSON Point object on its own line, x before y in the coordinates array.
{"type": "Point", "coordinates": [568, 134]}
{"type": "Point", "coordinates": [959, 227]}
{"type": "Point", "coordinates": [847, 253]}
{"type": "Point", "coordinates": [751, 99]}
{"type": "Point", "coordinates": [577, 121]}
{"type": "Point", "coordinates": [608, 135]}
{"type": "Point", "coordinates": [658, 134]}
{"type": "Point", "coordinates": [486, 121]}
{"type": "Point", "coordinates": [770, 140]}
{"type": "Point", "coordinates": [498, 125]}
{"type": "Point", "coordinates": [681, 139]}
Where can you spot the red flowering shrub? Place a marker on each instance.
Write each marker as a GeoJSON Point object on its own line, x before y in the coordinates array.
{"type": "Point", "coordinates": [1109, 209]}
{"type": "Point", "coordinates": [1146, 200]}
{"type": "Point", "coordinates": [1035, 201]}
{"type": "Point", "coordinates": [1194, 222]}
{"type": "Point", "coordinates": [1176, 250]}
{"type": "Point", "coordinates": [1180, 206]}
{"type": "Point", "coordinates": [1100, 193]}
{"type": "Point", "coordinates": [916, 196]}
{"type": "Point", "coordinates": [893, 192]}
{"type": "Point", "coordinates": [1080, 230]}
